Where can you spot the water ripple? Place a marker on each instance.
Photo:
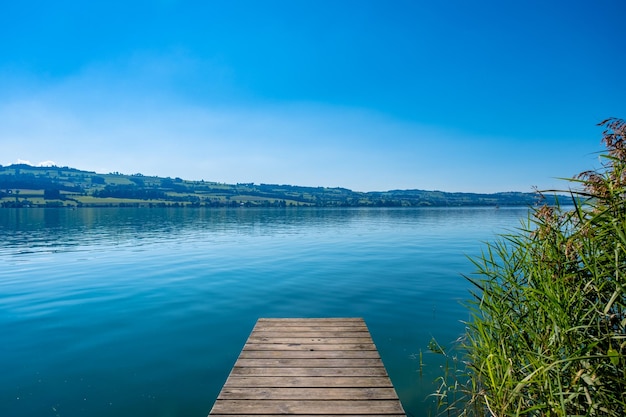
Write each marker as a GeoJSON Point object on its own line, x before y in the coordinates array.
{"type": "Point", "coordinates": [136, 311]}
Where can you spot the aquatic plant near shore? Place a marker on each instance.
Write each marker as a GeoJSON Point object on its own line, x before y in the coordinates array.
{"type": "Point", "coordinates": [547, 330]}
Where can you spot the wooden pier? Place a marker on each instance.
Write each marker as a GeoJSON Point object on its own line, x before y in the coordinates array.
{"type": "Point", "coordinates": [308, 367]}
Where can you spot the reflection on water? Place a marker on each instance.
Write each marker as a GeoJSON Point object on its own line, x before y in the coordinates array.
{"type": "Point", "coordinates": [52, 229]}
{"type": "Point", "coordinates": [144, 311]}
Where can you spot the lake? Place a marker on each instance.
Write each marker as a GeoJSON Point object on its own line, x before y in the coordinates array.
{"type": "Point", "coordinates": [132, 312]}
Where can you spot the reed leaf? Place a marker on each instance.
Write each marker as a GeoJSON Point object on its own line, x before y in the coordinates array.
{"type": "Point", "coordinates": [546, 334]}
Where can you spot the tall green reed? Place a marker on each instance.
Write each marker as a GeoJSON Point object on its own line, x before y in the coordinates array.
{"type": "Point", "coordinates": [547, 328]}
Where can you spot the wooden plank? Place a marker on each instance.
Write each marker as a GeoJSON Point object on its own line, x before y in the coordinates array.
{"type": "Point", "coordinates": [288, 381]}
{"type": "Point", "coordinates": [308, 367]}
{"type": "Point", "coordinates": [312, 354]}
{"type": "Point", "coordinates": [311, 363]}
{"type": "Point", "coordinates": [310, 321]}
{"type": "Point", "coordinates": [308, 346]}
{"type": "Point", "coordinates": [267, 325]}
{"type": "Point", "coordinates": [281, 371]}
{"type": "Point", "coordinates": [302, 332]}
{"type": "Point", "coordinates": [309, 340]}
{"type": "Point", "coordinates": [312, 328]}
{"type": "Point", "coordinates": [307, 393]}
{"type": "Point", "coordinates": [307, 406]}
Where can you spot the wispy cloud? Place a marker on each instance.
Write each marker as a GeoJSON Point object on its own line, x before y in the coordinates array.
{"type": "Point", "coordinates": [38, 164]}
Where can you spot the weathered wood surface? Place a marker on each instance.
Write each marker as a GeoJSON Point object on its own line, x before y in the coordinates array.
{"type": "Point", "coordinates": [308, 367]}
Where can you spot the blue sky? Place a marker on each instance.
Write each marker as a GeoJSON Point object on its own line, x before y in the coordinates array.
{"type": "Point", "coordinates": [477, 96]}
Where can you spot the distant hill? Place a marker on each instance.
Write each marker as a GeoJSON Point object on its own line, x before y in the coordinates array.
{"type": "Point", "coordinates": [28, 186]}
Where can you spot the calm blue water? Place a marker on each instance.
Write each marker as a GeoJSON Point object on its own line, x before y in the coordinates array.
{"type": "Point", "coordinates": [132, 312]}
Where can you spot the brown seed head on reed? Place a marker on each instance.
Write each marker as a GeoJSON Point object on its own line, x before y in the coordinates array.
{"type": "Point", "coordinates": [614, 137]}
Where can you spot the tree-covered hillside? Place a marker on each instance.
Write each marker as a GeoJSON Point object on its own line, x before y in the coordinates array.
{"type": "Point", "coordinates": [27, 186]}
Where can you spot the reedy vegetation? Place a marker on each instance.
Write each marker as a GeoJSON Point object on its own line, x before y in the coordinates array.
{"type": "Point", "coordinates": [547, 330]}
